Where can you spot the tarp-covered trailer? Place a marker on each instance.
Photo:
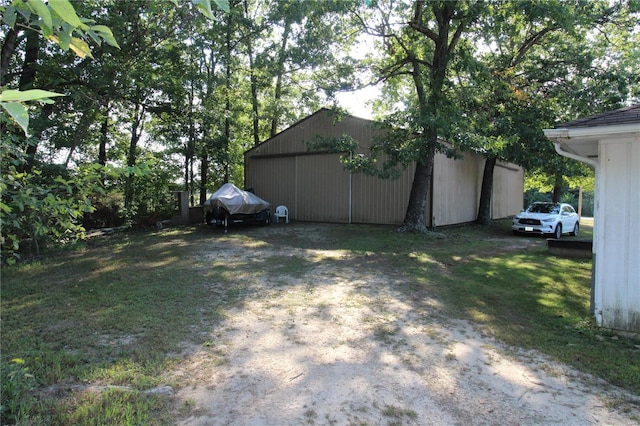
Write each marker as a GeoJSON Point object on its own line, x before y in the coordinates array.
{"type": "Point", "coordinates": [229, 205]}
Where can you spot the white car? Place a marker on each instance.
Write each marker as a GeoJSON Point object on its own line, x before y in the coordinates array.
{"type": "Point", "coordinates": [547, 218]}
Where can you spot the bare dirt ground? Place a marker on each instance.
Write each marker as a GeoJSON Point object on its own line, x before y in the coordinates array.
{"type": "Point", "coordinates": [337, 345]}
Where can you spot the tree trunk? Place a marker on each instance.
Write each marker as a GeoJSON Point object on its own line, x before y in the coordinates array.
{"type": "Point", "coordinates": [30, 66]}
{"type": "Point", "coordinates": [82, 129]}
{"type": "Point", "coordinates": [104, 136]}
{"type": "Point", "coordinates": [186, 167]}
{"type": "Point", "coordinates": [277, 95]}
{"type": "Point", "coordinates": [484, 208]}
{"type": "Point", "coordinates": [191, 150]}
{"type": "Point", "coordinates": [557, 188]}
{"type": "Point", "coordinates": [27, 78]}
{"type": "Point", "coordinates": [255, 105]}
{"type": "Point", "coordinates": [8, 48]}
{"type": "Point", "coordinates": [428, 87]}
{"type": "Point", "coordinates": [227, 107]}
{"type": "Point", "coordinates": [136, 132]}
{"type": "Point", "coordinates": [204, 176]}
{"type": "Point", "coordinates": [420, 190]}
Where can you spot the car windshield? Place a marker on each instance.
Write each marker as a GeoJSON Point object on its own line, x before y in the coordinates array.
{"type": "Point", "coordinates": [544, 208]}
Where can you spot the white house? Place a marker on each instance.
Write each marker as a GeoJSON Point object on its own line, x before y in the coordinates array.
{"type": "Point", "coordinates": [610, 143]}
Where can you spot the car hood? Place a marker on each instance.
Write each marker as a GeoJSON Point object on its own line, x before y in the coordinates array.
{"type": "Point", "coordinates": [539, 216]}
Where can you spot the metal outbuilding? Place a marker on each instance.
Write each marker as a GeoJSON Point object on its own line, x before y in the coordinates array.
{"type": "Point", "coordinates": [610, 143]}
{"type": "Point", "coordinates": [316, 187]}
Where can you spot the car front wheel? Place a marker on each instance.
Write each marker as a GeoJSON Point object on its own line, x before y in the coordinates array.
{"type": "Point", "coordinates": [558, 232]}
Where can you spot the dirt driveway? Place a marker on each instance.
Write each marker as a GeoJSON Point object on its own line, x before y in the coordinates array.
{"type": "Point", "coordinates": [334, 344]}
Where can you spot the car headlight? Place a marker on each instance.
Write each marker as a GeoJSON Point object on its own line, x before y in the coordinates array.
{"type": "Point", "coordinates": [549, 220]}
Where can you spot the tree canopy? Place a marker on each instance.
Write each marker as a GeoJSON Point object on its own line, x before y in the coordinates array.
{"type": "Point", "coordinates": [164, 96]}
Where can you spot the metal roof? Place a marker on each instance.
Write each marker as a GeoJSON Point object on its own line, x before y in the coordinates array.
{"type": "Point", "coordinates": [627, 115]}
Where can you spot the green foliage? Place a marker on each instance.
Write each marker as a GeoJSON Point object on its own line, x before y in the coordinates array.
{"type": "Point", "coordinates": [17, 403]}
{"type": "Point", "coordinates": [538, 186]}
{"type": "Point", "coordinates": [155, 188]}
{"type": "Point", "coordinates": [58, 22]}
{"type": "Point", "coordinates": [36, 209]}
{"type": "Point", "coordinates": [108, 211]}
{"type": "Point", "coordinates": [208, 80]}
{"type": "Point", "coordinates": [13, 103]}
{"type": "Point", "coordinates": [517, 68]}
{"type": "Point", "coordinates": [40, 214]}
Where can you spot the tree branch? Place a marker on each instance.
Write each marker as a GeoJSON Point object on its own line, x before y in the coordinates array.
{"type": "Point", "coordinates": [416, 25]}
{"type": "Point", "coordinates": [530, 42]}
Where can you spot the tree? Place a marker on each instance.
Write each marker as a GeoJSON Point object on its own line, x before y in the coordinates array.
{"type": "Point", "coordinates": [527, 49]}
{"type": "Point", "coordinates": [418, 54]}
{"type": "Point", "coordinates": [57, 22]}
{"type": "Point", "coordinates": [47, 207]}
{"type": "Point", "coordinates": [479, 75]}
{"type": "Point", "coordinates": [303, 42]}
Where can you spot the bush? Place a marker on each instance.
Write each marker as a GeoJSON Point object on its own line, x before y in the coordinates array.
{"type": "Point", "coordinates": [107, 211]}
{"type": "Point", "coordinates": [38, 210]}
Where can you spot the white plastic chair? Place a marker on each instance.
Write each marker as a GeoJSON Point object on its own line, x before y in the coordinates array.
{"type": "Point", "coordinates": [282, 211]}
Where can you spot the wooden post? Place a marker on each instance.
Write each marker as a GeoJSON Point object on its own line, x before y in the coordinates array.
{"type": "Point", "coordinates": [580, 202]}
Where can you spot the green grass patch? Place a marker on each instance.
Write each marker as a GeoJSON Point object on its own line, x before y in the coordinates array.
{"type": "Point", "coordinates": [117, 311]}
{"type": "Point", "coordinates": [111, 313]}
{"type": "Point", "coordinates": [525, 297]}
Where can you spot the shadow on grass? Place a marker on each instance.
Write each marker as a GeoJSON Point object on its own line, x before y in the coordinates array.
{"type": "Point", "coordinates": [123, 309]}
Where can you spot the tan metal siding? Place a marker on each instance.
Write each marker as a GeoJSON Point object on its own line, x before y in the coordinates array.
{"type": "Point", "coordinates": [315, 186]}
{"type": "Point", "coordinates": [322, 189]}
{"type": "Point", "coordinates": [294, 140]}
{"type": "Point", "coordinates": [455, 191]}
{"type": "Point", "coordinates": [507, 198]}
{"type": "Point", "coordinates": [273, 180]}
{"type": "Point", "coordinates": [384, 201]}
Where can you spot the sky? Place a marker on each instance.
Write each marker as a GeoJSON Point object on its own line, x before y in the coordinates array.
{"type": "Point", "coordinates": [358, 103]}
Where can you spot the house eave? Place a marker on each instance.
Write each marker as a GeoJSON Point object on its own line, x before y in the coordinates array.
{"type": "Point", "coordinates": [581, 143]}
{"type": "Point", "coordinates": [597, 132]}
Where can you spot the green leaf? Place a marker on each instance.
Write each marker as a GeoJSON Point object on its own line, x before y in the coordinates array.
{"type": "Point", "coordinates": [105, 33]}
{"type": "Point", "coordinates": [23, 8]}
{"type": "Point", "coordinates": [9, 16]}
{"type": "Point", "coordinates": [95, 37]}
{"type": "Point", "coordinates": [65, 10]}
{"type": "Point", "coordinates": [223, 4]}
{"type": "Point", "coordinates": [204, 6]}
{"type": "Point", "coordinates": [47, 32]}
{"type": "Point", "coordinates": [80, 47]}
{"type": "Point", "coordinates": [39, 8]}
{"type": "Point", "coordinates": [19, 114]}
{"type": "Point", "coordinates": [27, 95]}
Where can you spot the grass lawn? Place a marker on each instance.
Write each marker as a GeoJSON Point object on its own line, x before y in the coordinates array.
{"type": "Point", "coordinates": [86, 333]}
